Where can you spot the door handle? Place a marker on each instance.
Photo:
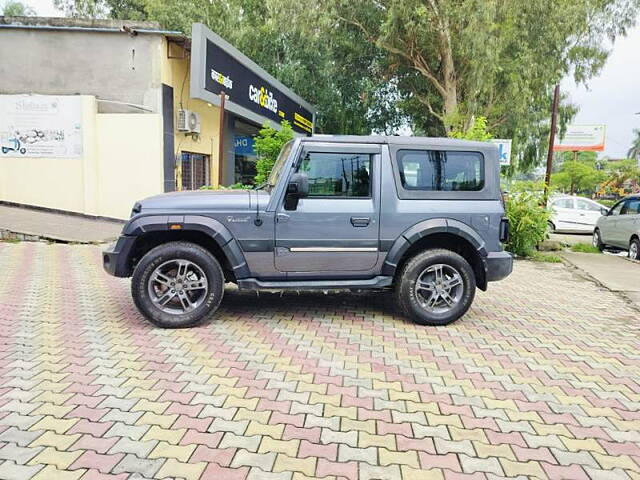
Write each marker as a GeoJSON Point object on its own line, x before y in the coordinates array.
{"type": "Point", "coordinates": [360, 221]}
{"type": "Point", "coordinates": [282, 218]}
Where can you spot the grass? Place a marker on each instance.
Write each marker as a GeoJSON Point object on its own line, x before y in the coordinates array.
{"type": "Point", "coordinates": [545, 257]}
{"type": "Point", "coordinates": [584, 248]}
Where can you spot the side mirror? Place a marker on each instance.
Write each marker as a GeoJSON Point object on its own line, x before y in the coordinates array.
{"type": "Point", "coordinates": [604, 211]}
{"type": "Point", "coordinates": [297, 188]}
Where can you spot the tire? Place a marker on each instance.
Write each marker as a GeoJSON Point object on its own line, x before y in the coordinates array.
{"type": "Point", "coordinates": [196, 276]}
{"type": "Point", "coordinates": [597, 240]}
{"type": "Point", "coordinates": [634, 249]}
{"type": "Point", "coordinates": [551, 228]}
{"type": "Point", "coordinates": [413, 302]}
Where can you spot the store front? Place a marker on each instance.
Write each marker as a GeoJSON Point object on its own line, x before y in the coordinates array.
{"type": "Point", "coordinates": [252, 97]}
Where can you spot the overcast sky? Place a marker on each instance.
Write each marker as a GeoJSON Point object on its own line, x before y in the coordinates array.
{"type": "Point", "coordinates": [611, 99]}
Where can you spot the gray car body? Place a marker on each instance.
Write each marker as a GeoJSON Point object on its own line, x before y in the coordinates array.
{"type": "Point", "coordinates": [323, 244]}
{"type": "Point", "coordinates": [619, 228]}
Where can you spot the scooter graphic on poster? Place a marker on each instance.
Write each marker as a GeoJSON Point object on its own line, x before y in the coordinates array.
{"type": "Point", "coordinates": [16, 147]}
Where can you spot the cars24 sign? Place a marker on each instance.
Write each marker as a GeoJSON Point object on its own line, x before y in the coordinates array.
{"type": "Point", "coordinates": [579, 138]}
{"type": "Point", "coordinates": [217, 66]}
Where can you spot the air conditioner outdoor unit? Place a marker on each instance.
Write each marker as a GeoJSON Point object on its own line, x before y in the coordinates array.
{"type": "Point", "coordinates": [188, 121]}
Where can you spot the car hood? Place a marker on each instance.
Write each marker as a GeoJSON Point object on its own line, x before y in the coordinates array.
{"type": "Point", "coordinates": [205, 201]}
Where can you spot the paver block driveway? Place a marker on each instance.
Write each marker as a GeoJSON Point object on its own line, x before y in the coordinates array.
{"type": "Point", "coordinates": [540, 379]}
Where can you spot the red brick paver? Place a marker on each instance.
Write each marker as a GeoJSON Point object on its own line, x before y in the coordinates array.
{"type": "Point", "coordinates": [540, 379]}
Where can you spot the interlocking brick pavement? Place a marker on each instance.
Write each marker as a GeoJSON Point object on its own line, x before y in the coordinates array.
{"type": "Point", "coordinates": [540, 379]}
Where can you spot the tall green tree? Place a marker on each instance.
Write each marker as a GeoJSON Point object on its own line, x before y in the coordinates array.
{"type": "Point", "coordinates": [634, 150]}
{"type": "Point", "coordinates": [16, 9]}
{"type": "Point", "coordinates": [579, 175]}
{"type": "Point", "coordinates": [456, 59]}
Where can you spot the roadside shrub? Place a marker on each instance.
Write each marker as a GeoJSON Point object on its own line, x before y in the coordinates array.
{"type": "Point", "coordinates": [235, 186]}
{"type": "Point", "coordinates": [268, 144]}
{"type": "Point", "coordinates": [527, 218]}
{"type": "Point", "coordinates": [546, 257]}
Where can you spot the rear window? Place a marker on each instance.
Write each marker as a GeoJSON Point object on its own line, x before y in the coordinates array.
{"type": "Point", "coordinates": [440, 170]}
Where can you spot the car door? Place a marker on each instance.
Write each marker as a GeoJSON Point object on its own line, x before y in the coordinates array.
{"type": "Point", "coordinates": [588, 213]}
{"type": "Point", "coordinates": [629, 220]}
{"type": "Point", "coordinates": [564, 213]}
{"type": "Point", "coordinates": [609, 226]}
{"type": "Point", "coordinates": [336, 227]}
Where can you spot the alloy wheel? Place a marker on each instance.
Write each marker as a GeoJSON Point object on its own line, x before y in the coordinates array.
{"type": "Point", "coordinates": [178, 286]}
{"type": "Point", "coordinates": [634, 254]}
{"type": "Point", "coordinates": [595, 241]}
{"type": "Point", "coordinates": [439, 288]}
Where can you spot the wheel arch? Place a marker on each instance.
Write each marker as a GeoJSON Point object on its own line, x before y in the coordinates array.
{"type": "Point", "coordinates": [439, 233]}
{"type": "Point", "coordinates": [151, 231]}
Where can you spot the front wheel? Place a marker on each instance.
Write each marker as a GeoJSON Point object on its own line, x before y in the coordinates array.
{"type": "Point", "coordinates": [436, 287]}
{"type": "Point", "coordinates": [634, 249]}
{"type": "Point", "coordinates": [177, 284]}
{"type": "Point", "coordinates": [597, 240]}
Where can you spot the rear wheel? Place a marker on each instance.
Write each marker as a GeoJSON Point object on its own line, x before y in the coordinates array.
{"type": "Point", "coordinates": [551, 228]}
{"type": "Point", "coordinates": [634, 249]}
{"type": "Point", "coordinates": [177, 284]}
{"type": "Point", "coordinates": [596, 240]}
{"type": "Point", "coordinates": [436, 287]}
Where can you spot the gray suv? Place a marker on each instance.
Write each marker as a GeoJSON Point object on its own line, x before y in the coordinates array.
{"type": "Point", "coordinates": [620, 227]}
{"type": "Point", "coordinates": [423, 216]}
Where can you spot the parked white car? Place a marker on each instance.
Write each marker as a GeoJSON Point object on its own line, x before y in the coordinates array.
{"type": "Point", "coordinates": [572, 214]}
{"type": "Point", "coordinates": [620, 228]}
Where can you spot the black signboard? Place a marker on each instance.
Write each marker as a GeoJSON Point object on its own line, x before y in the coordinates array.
{"type": "Point", "coordinates": [245, 88]}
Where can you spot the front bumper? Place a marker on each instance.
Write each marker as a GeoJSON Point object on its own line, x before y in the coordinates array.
{"type": "Point", "coordinates": [499, 265]}
{"type": "Point", "coordinates": [116, 258]}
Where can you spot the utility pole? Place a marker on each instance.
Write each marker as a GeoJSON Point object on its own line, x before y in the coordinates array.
{"type": "Point", "coordinates": [552, 134]}
{"type": "Point", "coordinates": [223, 97]}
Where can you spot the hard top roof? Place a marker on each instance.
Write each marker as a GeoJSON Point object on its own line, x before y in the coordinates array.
{"type": "Point", "coordinates": [395, 140]}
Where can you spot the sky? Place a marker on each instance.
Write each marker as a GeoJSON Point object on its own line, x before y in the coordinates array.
{"type": "Point", "coordinates": [612, 98]}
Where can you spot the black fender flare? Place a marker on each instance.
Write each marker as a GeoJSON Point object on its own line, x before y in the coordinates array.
{"type": "Point", "coordinates": [199, 223]}
{"type": "Point", "coordinates": [430, 227]}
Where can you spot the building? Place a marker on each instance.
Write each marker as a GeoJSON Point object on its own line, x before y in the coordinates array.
{"type": "Point", "coordinates": [95, 114]}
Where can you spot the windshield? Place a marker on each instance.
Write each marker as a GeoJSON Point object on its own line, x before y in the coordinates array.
{"type": "Point", "coordinates": [277, 166]}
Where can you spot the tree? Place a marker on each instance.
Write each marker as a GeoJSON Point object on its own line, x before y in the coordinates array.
{"type": "Point", "coordinates": [83, 8]}
{"type": "Point", "coordinates": [634, 151]}
{"type": "Point", "coordinates": [578, 175]}
{"type": "Point", "coordinates": [621, 173]}
{"type": "Point", "coordinates": [17, 9]}
{"type": "Point", "coordinates": [477, 131]}
{"type": "Point", "coordinates": [456, 59]}
{"type": "Point", "coordinates": [268, 144]}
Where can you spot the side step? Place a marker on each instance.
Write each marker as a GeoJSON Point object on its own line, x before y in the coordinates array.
{"type": "Point", "coordinates": [255, 284]}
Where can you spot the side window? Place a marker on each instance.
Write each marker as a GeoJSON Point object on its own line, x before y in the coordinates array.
{"type": "Point", "coordinates": [563, 203]}
{"type": "Point", "coordinates": [631, 207]}
{"type": "Point", "coordinates": [337, 174]}
{"type": "Point", "coordinates": [436, 170]}
{"type": "Point", "coordinates": [616, 209]}
{"type": "Point", "coordinates": [586, 205]}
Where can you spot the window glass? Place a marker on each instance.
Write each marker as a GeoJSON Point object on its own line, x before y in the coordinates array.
{"type": "Point", "coordinates": [563, 203]}
{"type": "Point", "coordinates": [616, 209]}
{"type": "Point", "coordinates": [631, 207]}
{"type": "Point", "coordinates": [435, 170]}
{"type": "Point", "coordinates": [586, 205]}
{"type": "Point", "coordinates": [337, 174]}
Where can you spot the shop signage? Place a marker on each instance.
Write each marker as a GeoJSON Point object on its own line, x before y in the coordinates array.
{"type": "Point", "coordinates": [40, 126]}
{"type": "Point", "coordinates": [579, 138]}
{"type": "Point", "coordinates": [217, 66]}
{"type": "Point", "coordinates": [504, 150]}
{"type": "Point", "coordinates": [244, 145]}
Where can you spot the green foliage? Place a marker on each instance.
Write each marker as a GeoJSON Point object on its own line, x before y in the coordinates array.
{"type": "Point", "coordinates": [578, 176]}
{"type": "Point", "coordinates": [546, 257]}
{"type": "Point", "coordinates": [492, 58]}
{"type": "Point", "coordinates": [235, 186]}
{"type": "Point", "coordinates": [634, 150]}
{"type": "Point", "coordinates": [14, 8]}
{"type": "Point", "coordinates": [527, 218]}
{"type": "Point", "coordinates": [584, 248]}
{"type": "Point", "coordinates": [477, 131]}
{"type": "Point", "coordinates": [268, 144]}
{"type": "Point", "coordinates": [620, 173]}
{"type": "Point", "coordinates": [83, 8]}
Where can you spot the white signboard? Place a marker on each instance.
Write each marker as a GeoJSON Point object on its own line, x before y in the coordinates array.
{"type": "Point", "coordinates": [40, 126]}
{"type": "Point", "coordinates": [579, 138]}
{"type": "Point", "coordinates": [504, 150]}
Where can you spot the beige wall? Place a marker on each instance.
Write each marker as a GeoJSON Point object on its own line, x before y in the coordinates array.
{"type": "Point", "coordinates": [175, 72]}
{"type": "Point", "coordinates": [121, 163]}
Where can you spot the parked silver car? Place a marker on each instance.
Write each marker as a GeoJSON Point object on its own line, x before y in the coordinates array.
{"type": "Point", "coordinates": [620, 228]}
